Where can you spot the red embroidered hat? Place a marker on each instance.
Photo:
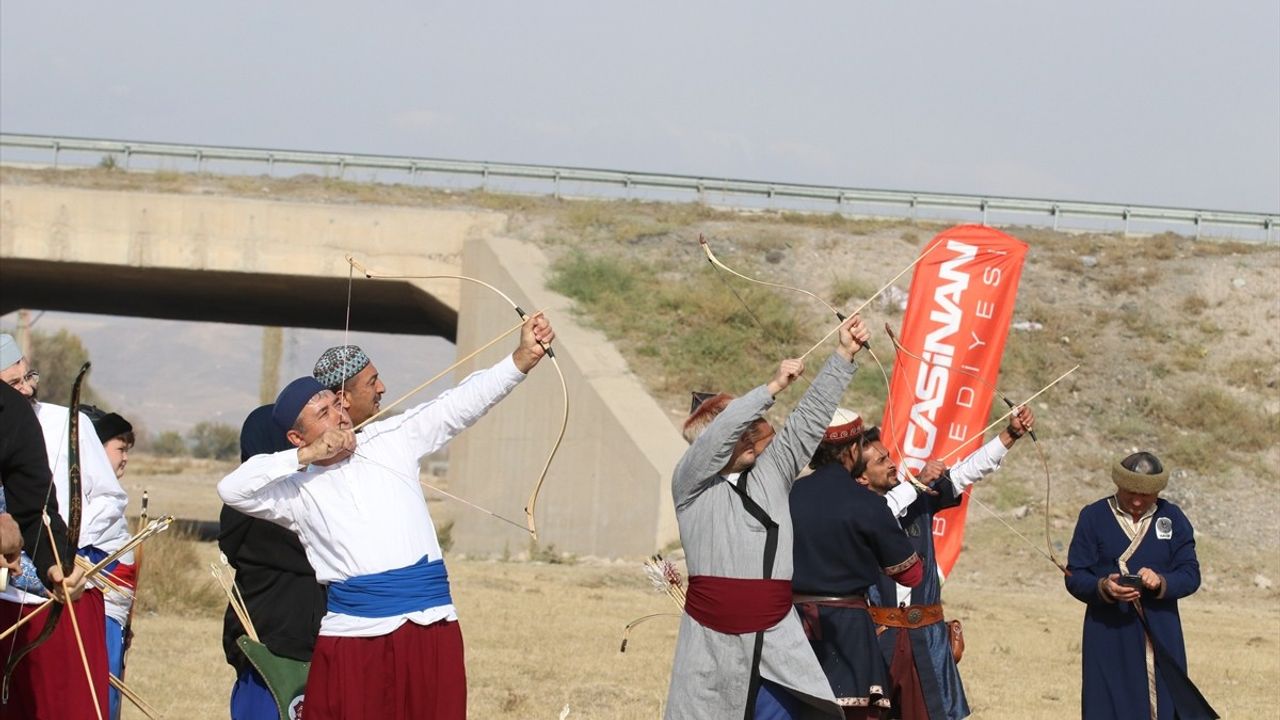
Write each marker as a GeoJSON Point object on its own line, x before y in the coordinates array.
{"type": "Point", "coordinates": [845, 426]}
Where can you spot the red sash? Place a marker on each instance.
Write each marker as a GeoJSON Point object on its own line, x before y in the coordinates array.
{"type": "Point", "coordinates": [735, 606]}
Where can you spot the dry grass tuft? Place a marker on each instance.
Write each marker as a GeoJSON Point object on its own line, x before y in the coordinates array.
{"type": "Point", "coordinates": [1248, 373]}
{"type": "Point", "coordinates": [845, 289]}
{"type": "Point", "coordinates": [176, 577]}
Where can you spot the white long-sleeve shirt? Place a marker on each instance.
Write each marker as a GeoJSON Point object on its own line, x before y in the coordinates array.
{"type": "Point", "coordinates": [367, 514]}
{"type": "Point", "coordinates": [977, 465]}
{"type": "Point", "coordinates": [103, 501]}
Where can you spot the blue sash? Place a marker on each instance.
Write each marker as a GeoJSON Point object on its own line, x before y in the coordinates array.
{"type": "Point", "coordinates": [420, 586]}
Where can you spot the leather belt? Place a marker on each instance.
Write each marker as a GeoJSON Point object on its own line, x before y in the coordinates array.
{"type": "Point", "coordinates": [831, 600]}
{"type": "Point", "coordinates": [911, 616]}
{"type": "Point", "coordinates": [807, 606]}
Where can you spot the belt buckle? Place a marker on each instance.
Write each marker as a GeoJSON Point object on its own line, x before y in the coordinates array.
{"type": "Point", "coordinates": [914, 615]}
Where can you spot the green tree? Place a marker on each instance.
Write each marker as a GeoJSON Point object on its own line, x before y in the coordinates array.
{"type": "Point", "coordinates": [214, 440]}
{"type": "Point", "coordinates": [58, 356]}
{"type": "Point", "coordinates": [168, 444]}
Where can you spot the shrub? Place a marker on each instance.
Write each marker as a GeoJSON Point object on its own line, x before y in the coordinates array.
{"type": "Point", "coordinates": [214, 440]}
{"type": "Point", "coordinates": [168, 444]}
{"type": "Point", "coordinates": [58, 356]}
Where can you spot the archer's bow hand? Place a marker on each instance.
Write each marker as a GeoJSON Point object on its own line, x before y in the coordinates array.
{"type": "Point", "coordinates": [75, 583]}
{"type": "Point", "coordinates": [853, 335]}
{"type": "Point", "coordinates": [535, 337]}
{"type": "Point", "coordinates": [1021, 422]}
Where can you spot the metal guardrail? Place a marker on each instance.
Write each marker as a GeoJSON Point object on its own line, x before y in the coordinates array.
{"type": "Point", "coordinates": [1039, 211]}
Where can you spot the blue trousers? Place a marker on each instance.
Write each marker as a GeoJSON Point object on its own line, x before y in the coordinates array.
{"type": "Point", "coordinates": [774, 702]}
{"type": "Point", "coordinates": [115, 662]}
{"type": "Point", "coordinates": [251, 700]}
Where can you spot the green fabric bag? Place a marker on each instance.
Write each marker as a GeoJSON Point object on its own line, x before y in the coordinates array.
{"type": "Point", "coordinates": [285, 678]}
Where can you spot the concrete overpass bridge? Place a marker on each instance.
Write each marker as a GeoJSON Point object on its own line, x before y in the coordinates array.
{"type": "Point", "coordinates": [267, 262]}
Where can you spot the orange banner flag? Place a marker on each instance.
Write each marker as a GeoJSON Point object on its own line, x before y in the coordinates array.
{"type": "Point", "coordinates": [958, 314]}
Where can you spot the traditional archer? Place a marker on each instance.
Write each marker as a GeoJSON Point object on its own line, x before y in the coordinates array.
{"type": "Point", "coordinates": [41, 676]}
{"type": "Point", "coordinates": [390, 645]}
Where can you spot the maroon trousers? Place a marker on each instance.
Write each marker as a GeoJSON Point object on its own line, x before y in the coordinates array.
{"type": "Point", "coordinates": [908, 696]}
{"type": "Point", "coordinates": [415, 673]}
{"type": "Point", "coordinates": [49, 683]}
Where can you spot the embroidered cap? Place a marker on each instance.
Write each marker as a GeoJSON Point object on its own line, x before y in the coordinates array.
{"type": "Point", "coordinates": [845, 426]}
{"type": "Point", "coordinates": [339, 364]}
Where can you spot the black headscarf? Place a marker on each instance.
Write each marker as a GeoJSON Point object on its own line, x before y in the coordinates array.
{"type": "Point", "coordinates": [260, 435]}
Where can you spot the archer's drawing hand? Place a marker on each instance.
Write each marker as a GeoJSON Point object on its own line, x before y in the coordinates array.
{"type": "Point", "coordinates": [931, 471]}
{"type": "Point", "coordinates": [332, 445]}
{"type": "Point", "coordinates": [788, 371]}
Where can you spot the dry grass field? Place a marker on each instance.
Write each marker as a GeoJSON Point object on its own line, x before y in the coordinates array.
{"type": "Point", "coordinates": [543, 637]}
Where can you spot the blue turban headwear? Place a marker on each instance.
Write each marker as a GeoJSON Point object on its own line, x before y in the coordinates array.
{"type": "Point", "coordinates": [292, 399]}
{"type": "Point", "coordinates": [260, 435]}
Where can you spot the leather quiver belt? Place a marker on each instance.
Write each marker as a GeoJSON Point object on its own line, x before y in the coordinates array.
{"type": "Point", "coordinates": [911, 616]}
{"type": "Point", "coordinates": [807, 606]}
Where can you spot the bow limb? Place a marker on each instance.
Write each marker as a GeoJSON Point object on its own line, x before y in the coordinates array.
{"type": "Point", "coordinates": [874, 295]}
{"type": "Point", "coordinates": [1002, 418]}
{"type": "Point", "coordinates": [626, 632]}
{"type": "Point", "coordinates": [532, 503]}
{"type": "Point", "coordinates": [899, 348]}
{"type": "Point", "coordinates": [715, 263]}
{"type": "Point", "coordinates": [74, 501]}
{"type": "Point", "coordinates": [439, 375]}
{"type": "Point", "coordinates": [1049, 545]}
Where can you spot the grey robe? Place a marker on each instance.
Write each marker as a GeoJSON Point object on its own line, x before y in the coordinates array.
{"type": "Point", "coordinates": [710, 676]}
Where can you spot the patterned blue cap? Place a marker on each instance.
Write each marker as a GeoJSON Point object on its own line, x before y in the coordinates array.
{"type": "Point", "coordinates": [339, 364]}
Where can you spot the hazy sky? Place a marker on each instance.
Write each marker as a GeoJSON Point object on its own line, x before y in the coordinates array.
{"type": "Point", "coordinates": [1169, 103]}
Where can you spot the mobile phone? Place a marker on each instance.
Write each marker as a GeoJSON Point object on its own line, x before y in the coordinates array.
{"type": "Point", "coordinates": [1132, 581]}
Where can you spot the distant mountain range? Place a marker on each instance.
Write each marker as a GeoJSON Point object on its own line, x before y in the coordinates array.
{"type": "Point", "coordinates": [170, 375]}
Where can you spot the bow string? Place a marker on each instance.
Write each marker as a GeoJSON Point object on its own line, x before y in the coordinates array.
{"type": "Point", "coordinates": [840, 316]}
{"type": "Point", "coordinates": [530, 507]}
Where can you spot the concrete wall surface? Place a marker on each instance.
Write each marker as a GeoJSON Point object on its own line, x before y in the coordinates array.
{"type": "Point", "coordinates": [608, 492]}
{"type": "Point", "coordinates": [251, 244]}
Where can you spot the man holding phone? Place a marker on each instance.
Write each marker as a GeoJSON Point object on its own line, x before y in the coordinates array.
{"type": "Point", "coordinates": [1133, 555]}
